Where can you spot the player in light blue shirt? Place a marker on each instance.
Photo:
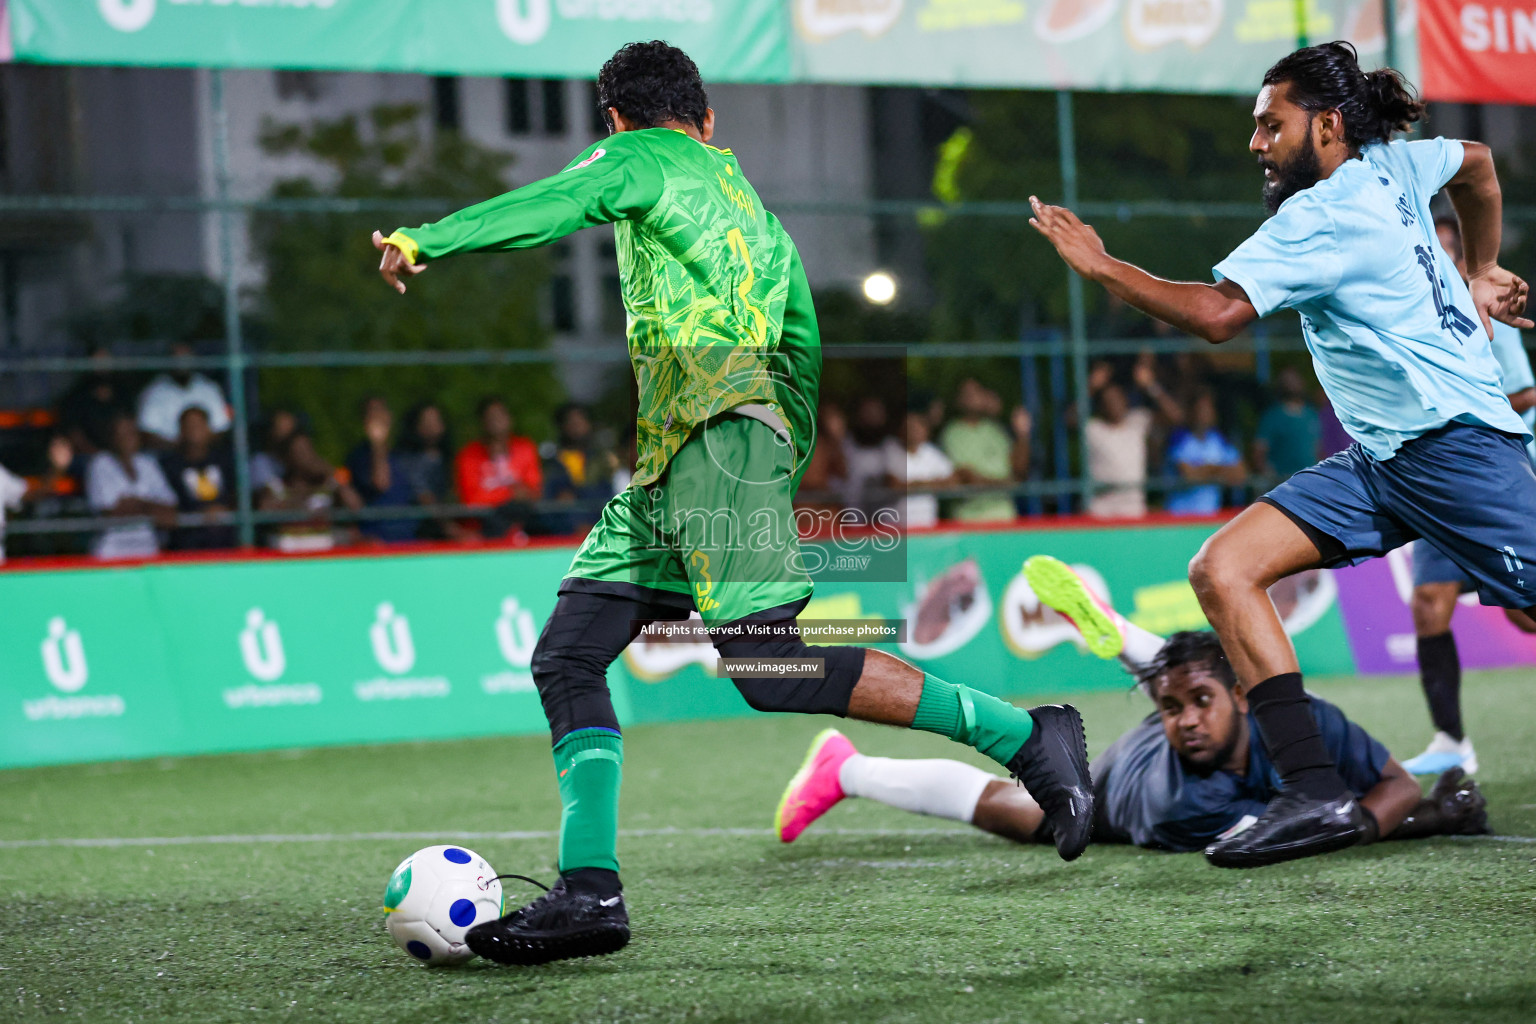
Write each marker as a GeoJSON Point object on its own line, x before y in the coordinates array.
{"type": "Point", "coordinates": [1438, 582]}
{"type": "Point", "coordinates": [1402, 349]}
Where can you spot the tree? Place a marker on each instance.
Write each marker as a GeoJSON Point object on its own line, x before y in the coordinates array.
{"type": "Point", "coordinates": [322, 291]}
{"type": "Point", "coordinates": [990, 273]}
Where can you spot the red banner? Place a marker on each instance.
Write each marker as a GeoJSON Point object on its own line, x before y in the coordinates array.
{"type": "Point", "coordinates": [1478, 51]}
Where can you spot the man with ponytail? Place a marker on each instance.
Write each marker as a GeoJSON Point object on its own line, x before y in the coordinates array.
{"type": "Point", "coordinates": [1402, 347]}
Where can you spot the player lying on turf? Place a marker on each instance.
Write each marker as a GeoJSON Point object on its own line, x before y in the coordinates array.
{"type": "Point", "coordinates": [727, 357]}
{"type": "Point", "coordinates": [1438, 582]}
{"type": "Point", "coordinates": [1185, 776]}
{"type": "Point", "coordinates": [1401, 346]}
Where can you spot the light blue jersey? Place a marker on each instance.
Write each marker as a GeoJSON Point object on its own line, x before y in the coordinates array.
{"type": "Point", "coordinates": [1394, 337]}
{"type": "Point", "coordinates": [1514, 363]}
{"type": "Point", "coordinates": [1515, 370]}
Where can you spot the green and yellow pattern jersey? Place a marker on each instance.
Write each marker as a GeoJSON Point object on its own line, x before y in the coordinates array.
{"type": "Point", "coordinates": [719, 309]}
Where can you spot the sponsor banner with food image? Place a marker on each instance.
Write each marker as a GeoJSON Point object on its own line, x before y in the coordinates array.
{"type": "Point", "coordinates": [1084, 44]}
{"type": "Point", "coordinates": [969, 616]}
{"type": "Point", "coordinates": [200, 657]}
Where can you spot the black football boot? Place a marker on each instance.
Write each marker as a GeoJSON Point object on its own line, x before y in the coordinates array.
{"type": "Point", "coordinates": [1292, 826]}
{"type": "Point", "coordinates": [1053, 765]}
{"type": "Point", "coordinates": [560, 925]}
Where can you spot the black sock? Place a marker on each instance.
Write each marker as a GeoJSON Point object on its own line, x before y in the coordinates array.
{"type": "Point", "coordinates": [1440, 673]}
{"type": "Point", "coordinates": [595, 880]}
{"type": "Point", "coordinates": [1291, 737]}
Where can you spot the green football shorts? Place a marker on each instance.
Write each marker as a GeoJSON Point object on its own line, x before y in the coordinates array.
{"type": "Point", "coordinates": [718, 527]}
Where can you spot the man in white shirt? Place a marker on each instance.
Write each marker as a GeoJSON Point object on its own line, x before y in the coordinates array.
{"type": "Point", "coordinates": [126, 482]}
{"type": "Point", "coordinates": [919, 467]}
{"type": "Point", "coordinates": [12, 489]}
{"type": "Point", "coordinates": [169, 394]}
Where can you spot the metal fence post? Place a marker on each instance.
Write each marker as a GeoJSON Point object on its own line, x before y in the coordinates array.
{"type": "Point", "coordinates": [234, 341]}
{"type": "Point", "coordinates": [1077, 313]}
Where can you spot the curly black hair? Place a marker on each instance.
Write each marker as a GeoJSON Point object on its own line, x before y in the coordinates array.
{"type": "Point", "coordinates": [1374, 105]}
{"type": "Point", "coordinates": [650, 84]}
{"type": "Point", "coordinates": [1191, 648]}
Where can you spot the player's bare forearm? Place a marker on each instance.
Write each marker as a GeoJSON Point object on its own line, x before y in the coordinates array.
{"type": "Point", "coordinates": [1391, 799]}
{"type": "Point", "coordinates": [1523, 399]}
{"type": "Point", "coordinates": [1474, 193]}
{"type": "Point", "coordinates": [1216, 313]}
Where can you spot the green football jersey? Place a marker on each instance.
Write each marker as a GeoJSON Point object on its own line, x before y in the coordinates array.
{"type": "Point", "coordinates": [719, 308]}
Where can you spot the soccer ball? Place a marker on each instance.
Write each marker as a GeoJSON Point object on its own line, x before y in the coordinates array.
{"type": "Point", "coordinates": [434, 897]}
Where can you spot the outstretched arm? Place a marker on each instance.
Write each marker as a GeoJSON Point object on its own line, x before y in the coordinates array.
{"type": "Point", "coordinates": [1216, 312]}
{"type": "Point", "coordinates": [1393, 798]}
{"type": "Point", "coordinates": [1474, 192]}
{"type": "Point", "coordinates": [1455, 806]}
{"type": "Point", "coordinates": [617, 179]}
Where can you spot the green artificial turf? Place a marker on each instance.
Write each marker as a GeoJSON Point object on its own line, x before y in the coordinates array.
{"type": "Point", "coordinates": [872, 915]}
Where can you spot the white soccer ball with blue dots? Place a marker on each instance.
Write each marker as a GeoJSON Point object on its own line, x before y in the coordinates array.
{"type": "Point", "coordinates": [434, 897]}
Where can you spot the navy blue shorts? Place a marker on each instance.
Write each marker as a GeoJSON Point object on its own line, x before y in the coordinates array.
{"type": "Point", "coordinates": [1468, 490]}
{"type": "Point", "coordinates": [1432, 566]}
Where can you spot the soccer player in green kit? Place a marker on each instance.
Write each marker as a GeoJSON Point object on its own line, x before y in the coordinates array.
{"type": "Point", "coordinates": [727, 356]}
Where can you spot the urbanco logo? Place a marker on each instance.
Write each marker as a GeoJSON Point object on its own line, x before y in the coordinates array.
{"type": "Point", "coordinates": [391, 636]}
{"type": "Point", "coordinates": [515, 634]}
{"type": "Point", "coordinates": [261, 647]}
{"type": "Point", "coordinates": [126, 15]}
{"type": "Point", "coordinates": [523, 21]}
{"type": "Point", "coordinates": [64, 656]}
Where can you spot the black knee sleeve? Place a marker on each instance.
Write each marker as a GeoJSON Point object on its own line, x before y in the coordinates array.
{"type": "Point", "coordinates": [573, 690]}
{"type": "Point", "coordinates": [827, 695]}
{"type": "Point", "coordinates": [583, 636]}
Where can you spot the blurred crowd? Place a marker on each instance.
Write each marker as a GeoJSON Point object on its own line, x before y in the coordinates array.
{"type": "Point", "coordinates": [1163, 436]}
{"type": "Point", "coordinates": [1169, 435]}
{"type": "Point", "coordinates": [162, 461]}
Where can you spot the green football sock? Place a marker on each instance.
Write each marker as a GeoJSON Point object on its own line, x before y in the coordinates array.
{"type": "Point", "coordinates": [587, 766]}
{"type": "Point", "coordinates": [992, 726]}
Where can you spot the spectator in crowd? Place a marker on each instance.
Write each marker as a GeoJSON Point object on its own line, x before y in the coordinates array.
{"type": "Point", "coordinates": [1117, 455]}
{"type": "Point", "coordinates": [12, 490]}
{"type": "Point", "coordinates": [624, 468]}
{"type": "Point", "coordinates": [378, 476]}
{"type": "Point", "coordinates": [916, 465]}
{"type": "Point", "coordinates": [930, 405]}
{"type": "Point", "coordinates": [203, 477]}
{"type": "Point", "coordinates": [499, 470]}
{"type": "Point", "coordinates": [308, 484]}
{"type": "Point", "coordinates": [1117, 440]}
{"type": "Point", "coordinates": [1202, 455]}
{"type": "Point", "coordinates": [161, 403]}
{"type": "Point", "coordinates": [425, 453]}
{"type": "Point", "coordinates": [983, 452]}
{"type": "Point", "coordinates": [576, 469]}
{"type": "Point", "coordinates": [125, 481]}
{"type": "Point", "coordinates": [87, 409]}
{"type": "Point", "coordinates": [273, 436]}
{"type": "Point", "coordinates": [1290, 434]}
{"type": "Point", "coordinates": [865, 455]}
{"type": "Point", "coordinates": [822, 484]}
{"type": "Point", "coordinates": [56, 494]}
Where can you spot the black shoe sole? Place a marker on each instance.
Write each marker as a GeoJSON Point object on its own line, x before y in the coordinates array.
{"type": "Point", "coordinates": [1279, 854]}
{"type": "Point", "coordinates": [1071, 845]}
{"type": "Point", "coordinates": [524, 950]}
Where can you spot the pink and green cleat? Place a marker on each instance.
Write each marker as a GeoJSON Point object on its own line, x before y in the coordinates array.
{"type": "Point", "coordinates": [815, 789]}
{"type": "Point", "coordinates": [1058, 587]}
